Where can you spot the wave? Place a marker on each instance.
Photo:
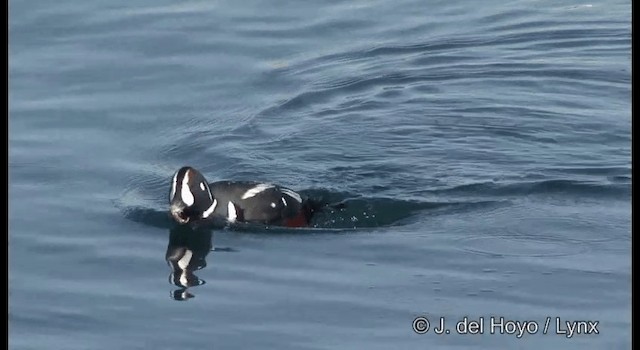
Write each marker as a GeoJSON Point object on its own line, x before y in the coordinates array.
{"type": "Point", "coordinates": [619, 190]}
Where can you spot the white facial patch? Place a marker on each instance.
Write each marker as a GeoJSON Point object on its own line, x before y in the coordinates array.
{"type": "Point", "coordinates": [231, 215]}
{"type": "Point", "coordinates": [174, 184]}
{"type": "Point", "coordinates": [204, 187]}
{"type": "Point", "coordinates": [255, 190]}
{"type": "Point", "coordinates": [210, 209]}
{"type": "Point", "coordinates": [284, 201]}
{"type": "Point", "coordinates": [273, 205]}
{"type": "Point", "coordinates": [187, 196]}
{"type": "Point", "coordinates": [292, 194]}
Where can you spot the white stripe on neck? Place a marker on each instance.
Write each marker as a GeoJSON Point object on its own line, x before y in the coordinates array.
{"type": "Point", "coordinates": [210, 209]}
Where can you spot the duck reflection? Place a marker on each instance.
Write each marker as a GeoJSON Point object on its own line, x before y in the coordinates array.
{"type": "Point", "coordinates": [186, 253]}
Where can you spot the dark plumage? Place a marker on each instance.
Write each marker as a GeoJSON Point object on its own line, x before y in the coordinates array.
{"type": "Point", "coordinates": [192, 198]}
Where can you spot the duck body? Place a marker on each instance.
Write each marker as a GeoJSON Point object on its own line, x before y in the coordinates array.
{"type": "Point", "coordinates": [192, 198]}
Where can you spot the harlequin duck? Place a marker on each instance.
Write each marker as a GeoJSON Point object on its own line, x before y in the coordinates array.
{"type": "Point", "coordinates": [192, 199]}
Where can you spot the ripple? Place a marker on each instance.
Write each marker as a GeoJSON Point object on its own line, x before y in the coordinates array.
{"type": "Point", "coordinates": [539, 246]}
{"type": "Point", "coordinates": [558, 186]}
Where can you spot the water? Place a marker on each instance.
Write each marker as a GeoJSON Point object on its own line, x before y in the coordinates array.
{"type": "Point", "coordinates": [483, 149]}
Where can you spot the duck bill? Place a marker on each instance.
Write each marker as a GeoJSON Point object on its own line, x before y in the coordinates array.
{"type": "Point", "coordinates": [178, 215]}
